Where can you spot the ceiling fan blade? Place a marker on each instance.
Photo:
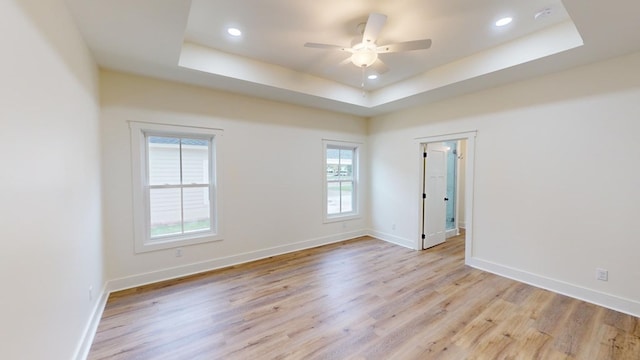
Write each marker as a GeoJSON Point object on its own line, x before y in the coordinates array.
{"type": "Point", "coordinates": [405, 46]}
{"type": "Point", "coordinates": [327, 46]}
{"type": "Point", "coordinates": [345, 61]}
{"type": "Point", "coordinates": [372, 29]}
{"type": "Point", "coordinates": [380, 67]}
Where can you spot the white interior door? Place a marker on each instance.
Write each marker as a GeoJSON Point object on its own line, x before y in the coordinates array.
{"type": "Point", "coordinates": [435, 195]}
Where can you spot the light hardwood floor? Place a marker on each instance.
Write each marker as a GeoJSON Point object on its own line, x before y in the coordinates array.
{"type": "Point", "coordinates": [360, 299]}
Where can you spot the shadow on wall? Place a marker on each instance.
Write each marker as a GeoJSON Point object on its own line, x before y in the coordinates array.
{"type": "Point", "coordinates": [40, 14]}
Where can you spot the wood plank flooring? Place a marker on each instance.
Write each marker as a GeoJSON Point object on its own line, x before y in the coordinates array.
{"type": "Point", "coordinates": [360, 299]}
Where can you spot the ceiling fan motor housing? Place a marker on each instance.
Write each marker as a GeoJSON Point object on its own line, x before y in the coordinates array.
{"type": "Point", "coordinates": [364, 55]}
{"type": "Point", "coordinates": [365, 52]}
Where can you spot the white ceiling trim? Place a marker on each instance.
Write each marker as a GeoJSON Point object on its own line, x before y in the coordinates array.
{"type": "Point", "coordinates": [202, 58]}
{"type": "Point", "coordinates": [549, 41]}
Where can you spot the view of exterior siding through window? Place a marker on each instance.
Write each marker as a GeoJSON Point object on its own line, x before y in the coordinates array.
{"type": "Point", "coordinates": [340, 180]}
{"type": "Point", "coordinates": [179, 191]}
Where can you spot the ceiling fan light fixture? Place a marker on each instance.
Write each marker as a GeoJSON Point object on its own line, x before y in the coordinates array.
{"type": "Point", "coordinates": [364, 55]}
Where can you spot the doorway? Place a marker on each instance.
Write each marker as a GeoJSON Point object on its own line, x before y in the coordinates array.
{"type": "Point", "coordinates": [447, 183]}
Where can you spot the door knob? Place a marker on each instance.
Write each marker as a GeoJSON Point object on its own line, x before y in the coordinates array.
{"type": "Point", "coordinates": [446, 199]}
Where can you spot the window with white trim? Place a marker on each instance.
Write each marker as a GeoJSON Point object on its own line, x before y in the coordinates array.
{"type": "Point", "coordinates": [175, 185]}
{"type": "Point", "coordinates": [340, 180]}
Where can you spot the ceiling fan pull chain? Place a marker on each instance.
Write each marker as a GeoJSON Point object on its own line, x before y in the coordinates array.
{"type": "Point", "coordinates": [364, 93]}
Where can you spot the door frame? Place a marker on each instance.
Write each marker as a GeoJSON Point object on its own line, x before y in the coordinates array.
{"type": "Point", "coordinates": [470, 137]}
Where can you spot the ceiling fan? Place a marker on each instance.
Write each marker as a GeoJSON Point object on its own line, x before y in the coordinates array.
{"type": "Point", "coordinates": [365, 53]}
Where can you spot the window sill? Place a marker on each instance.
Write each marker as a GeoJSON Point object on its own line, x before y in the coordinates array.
{"type": "Point", "coordinates": [339, 218]}
{"type": "Point", "coordinates": [175, 243]}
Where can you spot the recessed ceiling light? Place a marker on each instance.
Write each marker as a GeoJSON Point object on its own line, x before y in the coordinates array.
{"type": "Point", "coordinates": [234, 32]}
{"type": "Point", "coordinates": [504, 21]}
{"type": "Point", "coordinates": [372, 77]}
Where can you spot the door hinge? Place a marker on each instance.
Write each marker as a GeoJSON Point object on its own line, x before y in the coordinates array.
{"type": "Point", "coordinates": [424, 236]}
{"type": "Point", "coordinates": [424, 154]}
{"type": "Point", "coordinates": [424, 196]}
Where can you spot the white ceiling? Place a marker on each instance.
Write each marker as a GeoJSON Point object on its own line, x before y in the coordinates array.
{"type": "Point", "coordinates": [186, 41]}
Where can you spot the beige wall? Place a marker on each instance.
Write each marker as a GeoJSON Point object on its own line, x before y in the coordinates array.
{"type": "Point", "coordinates": [556, 186]}
{"type": "Point", "coordinates": [556, 177]}
{"type": "Point", "coordinates": [50, 215]}
{"type": "Point", "coordinates": [271, 173]}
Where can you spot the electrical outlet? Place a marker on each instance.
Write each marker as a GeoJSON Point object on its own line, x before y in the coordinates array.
{"type": "Point", "coordinates": [90, 292]}
{"type": "Point", "coordinates": [393, 226]}
{"type": "Point", "coordinates": [602, 274]}
{"type": "Point", "coordinates": [179, 252]}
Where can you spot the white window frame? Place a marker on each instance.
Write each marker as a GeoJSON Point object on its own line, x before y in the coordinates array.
{"type": "Point", "coordinates": [355, 212]}
{"type": "Point", "coordinates": [140, 178]}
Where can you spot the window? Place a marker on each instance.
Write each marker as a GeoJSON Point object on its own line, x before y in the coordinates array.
{"type": "Point", "coordinates": [341, 180]}
{"type": "Point", "coordinates": [175, 185]}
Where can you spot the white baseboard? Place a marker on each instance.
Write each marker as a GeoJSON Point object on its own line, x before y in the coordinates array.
{"type": "Point", "coordinates": [613, 302]}
{"type": "Point", "coordinates": [451, 233]}
{"type": "Point", "coordinates": [392, 239]}
{"type": "Point", "coordinates": [82, 350]}
{"type": "Point", "coordinates": [190, 269]}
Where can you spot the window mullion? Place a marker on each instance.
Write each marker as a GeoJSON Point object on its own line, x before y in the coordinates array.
{"type": "Point", "coordinates": [177, 186]}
